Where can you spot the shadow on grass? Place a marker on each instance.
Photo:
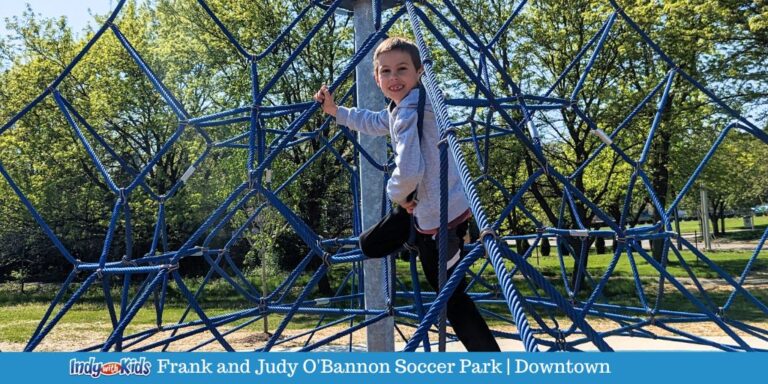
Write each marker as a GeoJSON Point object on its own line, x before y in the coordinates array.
{"type": "Point", "coordinates": [745, 235]}
{"type": "Point", "coordinates": [623, 293]}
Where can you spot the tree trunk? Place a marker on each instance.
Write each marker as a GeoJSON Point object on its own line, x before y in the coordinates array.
{"type": "Point", "coordinates": [522, 246]}
{"type": "Point", "coordinates": [717, 213]}
{"type": "Point", "coordinates": [658, 169]}
{"type": "Point", "coordinates": [600, 246]}
{"type": "Point", "coordinates": [720, 212]}
{"type": "Point", "coordinates": [580, 261]}
{"type": "Point", "coordinates": [715, 224]}
{"type": "Point", "coordinates": [722, 224]}
{"type": "Point", "coordinates": [546, 248]}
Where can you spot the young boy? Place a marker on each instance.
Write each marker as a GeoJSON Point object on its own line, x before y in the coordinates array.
{"type": "Point", "coordinates": [415, 183]}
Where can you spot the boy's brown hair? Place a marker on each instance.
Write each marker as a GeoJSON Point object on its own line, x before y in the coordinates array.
{"type": "Point", "coordinates": [397, 44]}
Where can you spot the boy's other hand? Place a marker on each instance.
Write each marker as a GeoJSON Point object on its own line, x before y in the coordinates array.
{"type": "Point", "coordinates": [324, 97]}
{"type": "Point", "coordinates": [409, 206]}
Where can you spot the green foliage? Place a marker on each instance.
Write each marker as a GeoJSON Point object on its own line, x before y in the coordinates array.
{"type": "Point", "coordinates": [701, 37]}
{"type": "Point", "coordinates": [194, 59]}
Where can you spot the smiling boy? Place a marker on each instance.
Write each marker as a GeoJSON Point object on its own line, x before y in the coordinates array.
{"type": "Point", "coordinates": [415, 183]}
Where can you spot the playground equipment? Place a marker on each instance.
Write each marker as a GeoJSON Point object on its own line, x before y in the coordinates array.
{"type": "Point", "coordinates": [546, 317]}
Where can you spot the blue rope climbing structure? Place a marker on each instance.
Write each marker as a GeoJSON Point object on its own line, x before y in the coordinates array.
{"type": "Point", "coordinates": [546, 313]}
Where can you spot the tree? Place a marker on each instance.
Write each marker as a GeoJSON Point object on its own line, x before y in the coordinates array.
{"type": "Point", "coordinates": [547, 36]}
{"type": "Point", "coordinates": [199, 66]}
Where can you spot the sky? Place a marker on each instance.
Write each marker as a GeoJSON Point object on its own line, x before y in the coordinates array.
{"type": "Point", "coordinates": [76, 11]}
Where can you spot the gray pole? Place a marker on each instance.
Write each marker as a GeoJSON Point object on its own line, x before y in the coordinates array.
{"type": "Point", "coordinates": [381, 336]}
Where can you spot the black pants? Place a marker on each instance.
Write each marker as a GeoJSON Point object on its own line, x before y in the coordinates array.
{"type": "Point", "coordinates": [389, 235]}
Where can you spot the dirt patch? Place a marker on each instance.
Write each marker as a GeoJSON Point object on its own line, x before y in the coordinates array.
{"type": "Point", "coordinates": [72, 337]}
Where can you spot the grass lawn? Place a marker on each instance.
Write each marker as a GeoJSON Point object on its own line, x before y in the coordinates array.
{"type": "Point", "coordinates": [731, 223]}
{"type": "Point", "coordinates": [20, 313]}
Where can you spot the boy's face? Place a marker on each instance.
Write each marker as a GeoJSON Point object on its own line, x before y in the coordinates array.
{"type": "Point", "coordinates": [396, 74]}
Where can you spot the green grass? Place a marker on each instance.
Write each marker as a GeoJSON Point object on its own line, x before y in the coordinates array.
{"type": "Point", "coordinates": [746, 235]}
{"type": "Point", "coordinates": [20, 313]}
{"type": "Point", "coordinates": [732, 262]}
{"type": "Point", "coordinates": [621, 289]}
{"type": "Point", "coordinates": [731, 223]}
{"type": "Point", "coordinates": [18, 322]}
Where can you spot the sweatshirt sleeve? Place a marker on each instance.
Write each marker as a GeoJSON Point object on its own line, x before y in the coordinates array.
{"type": "Point", "coordinates": [363, 120]}
{"type": "Point", "coordinates": [410, 164]}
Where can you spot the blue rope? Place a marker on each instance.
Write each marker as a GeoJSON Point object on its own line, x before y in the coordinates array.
{"type": "Point", "coordinates": [747, 268]}
{"type": "Point", "coordinates": [39, 219]}
{"type": "Point", "coordinates": [197, 294]}
{"type": "Point", "coordinates": [172, 102]}
{"type": "Point", "coordinates": [84, 141]}
{"type": "Point", "coordinates": [605, 32]}
{"type": "Point", "coordinates": [442, 123]}
{"type": "Point", "coordinates": [506, 24]}
{"type": "Point", "coordinates": [284, 323]}
{"type": "Point", "coordinates": [67, 69]}
{"type": "Point", "coordinates": [123, 164]}
{"type": "Point", "coordinates": [33, 342]}
{"type": "Point", "coordinates": [377, 8]}
{"type": "Point", "coordinates": [54, 303]}
{"type": "Point", "coordinates": [105, 284]}
{"type": "Point", "coordinates": [689, 184]}
{"type": "Point", "coordinates": [443, 234]}
{"type": "Point", "coordinates": [224, 29]}
{"type": "Point", "coordinates": [209, 325]}
{"type": "Point", "coordinates": [110, 234]}
{"type": "Point", "coordinates": [140, 299]}
{"type": "Point", "coordinates": [750, 127]}
{"type": "Point", "coordinates": [693, 299]}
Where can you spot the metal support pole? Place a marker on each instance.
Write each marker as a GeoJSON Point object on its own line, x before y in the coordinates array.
{"type": "Point", "coordinates": [381, 336]}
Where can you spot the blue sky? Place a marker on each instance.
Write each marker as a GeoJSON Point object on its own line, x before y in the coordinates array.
{"type": "Point", "coordinates": [77, 11]}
